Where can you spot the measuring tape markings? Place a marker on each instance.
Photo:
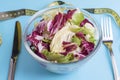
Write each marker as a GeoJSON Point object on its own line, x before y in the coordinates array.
{"type": "Point", "coordinates": [11, 14]}
{"type": "Point", "coordinates": [28, 12]}
{"type": "Point", "coordinates": [108, 11]}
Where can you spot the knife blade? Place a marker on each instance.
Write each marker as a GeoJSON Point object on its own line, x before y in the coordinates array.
{"type": "Point", "coordinates": [15, 50]}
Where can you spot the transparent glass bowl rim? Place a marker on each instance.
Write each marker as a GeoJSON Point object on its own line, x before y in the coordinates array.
{"type": "Point", "coordinates": [56, 7]}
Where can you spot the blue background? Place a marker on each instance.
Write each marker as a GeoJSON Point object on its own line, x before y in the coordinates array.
{"type": "Point", "coordinates": [97, 68]}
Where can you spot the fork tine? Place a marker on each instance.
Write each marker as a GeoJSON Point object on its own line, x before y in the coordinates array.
{"type": "Point", "coordinates": [110, 27]}
{"type": "Point", "coordinates": [107, 27]}
{"type": "Point", "coordinates": [102, 26]}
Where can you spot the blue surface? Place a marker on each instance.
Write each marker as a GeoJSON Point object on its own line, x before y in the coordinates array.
{"type": "Point", "coordinates": [97, 68]}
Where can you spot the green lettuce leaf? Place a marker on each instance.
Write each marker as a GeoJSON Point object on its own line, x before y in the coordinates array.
{"type": "Point", "coordinates": [85, 31]}
{"type": "Point", "coordinates": [92, 39]}
{"type": "Point", "coordinates": [66, 59]}
{"type": "Point", "coordinates": [77, 18]}
{"type": "Point", "coordinates": [46, 40]}
{"type": "Point", "coordinates": [76, 40]}
{"type": "Point", "coordinates": [58, 57]}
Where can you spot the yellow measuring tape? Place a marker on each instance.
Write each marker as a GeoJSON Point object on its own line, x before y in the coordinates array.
{"type": "Point", "coordinates": [28, 12]}
{"type": "Point", "coordinates": [105, 11]}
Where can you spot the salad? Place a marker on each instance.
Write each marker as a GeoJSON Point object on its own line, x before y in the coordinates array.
{"type": "Point", "coordinates": [63, 37]}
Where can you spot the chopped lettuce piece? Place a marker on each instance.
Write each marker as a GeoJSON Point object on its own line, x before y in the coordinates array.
{"type": "Point", "coordinates": [92, 39]}
{"type": "Point", "coordinates": [91, 32]}
{"type": "Point", "coordinates": [81, 29]}
{"type": "Point", "coordinates": [87, 30]}
{"type": "Point", "coordinates": [66, 59]}
{"type": "Point", "coordinates": [52, 56]}
{"type": "Point", "coordinates": [62, 35]}
{"type": "Point", "coordinates": [46, 40]}
{"type": "Point", "coordinates": [77, 18]}
{"type": "Point", "coordinates": [76, 40]}
{"type": "Point", "coordinates": [58, 57]}
{"type": "Point", "coordinates": [75, 30]}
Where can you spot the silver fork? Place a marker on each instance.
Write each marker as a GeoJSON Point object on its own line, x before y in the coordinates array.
{"type": "Point", "coordinates": [108, 40]}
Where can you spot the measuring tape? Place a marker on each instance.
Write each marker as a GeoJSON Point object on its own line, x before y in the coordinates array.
{"type": "Point", "coordinates": [105, 11]}
{"type": "Point", "coordinates": [28, 12]}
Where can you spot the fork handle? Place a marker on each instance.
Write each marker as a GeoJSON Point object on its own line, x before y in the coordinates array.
{"type": "Point", "coordinates": [114, 65]}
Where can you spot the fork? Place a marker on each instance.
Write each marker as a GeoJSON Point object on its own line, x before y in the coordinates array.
{"type": "Point", "coordinates": [107, 39]}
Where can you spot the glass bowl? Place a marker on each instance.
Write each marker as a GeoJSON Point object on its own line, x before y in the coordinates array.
{"type": "Point", "coordinates": [60, 67]}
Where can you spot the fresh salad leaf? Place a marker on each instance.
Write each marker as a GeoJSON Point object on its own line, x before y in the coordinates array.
{"type": "Point", "coordinates": [84, 22]}
{"type": "Point", "coordinates": [62, 35]}
{"type": "Point", "coordinates": [46, 40]}
{"type": "Point", "coordinates": [59, 21]}
{"type": "Point", "coordinates": [66, 59]}
{"type": "Point", "coordinates": [76, 40]}
{"type": "Point", "coordinates": [51, 55]}
{"type": "Point", "coordinates": [68, 47]}
{"type": "Point", "coordinates": [92, 39]}
{"type": "Point", "coordinates": [77, 18]}
{"type": "Point", "coordinates": [87, 47]}
{"type": "Point", "coordinates": [57, 57]}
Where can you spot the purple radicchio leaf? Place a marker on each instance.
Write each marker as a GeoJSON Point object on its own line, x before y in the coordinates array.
{"type": "Point", "coordinates": [84, 22]}
{"type": "Point", "coordinates": [41, 27]}
{"type": "Point", "coordinates": [32, 40]}
{"type": "Point", "coordinates": [59, 21]}
{"type": "Point", "coordinates": [55, 24]}
{"type": "Point", "coordinates": [87, 47]}
{"type": "Point", "coordinates": [80, 35]}
{"type": "Point", "coordinates": [70, 13]}
{"type": "Point", "coordinates": [68, 47]}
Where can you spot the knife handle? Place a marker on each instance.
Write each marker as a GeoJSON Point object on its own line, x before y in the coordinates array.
{"type": "Point", "coordinates": [12, 69]}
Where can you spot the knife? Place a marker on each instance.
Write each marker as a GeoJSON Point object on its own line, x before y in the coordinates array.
{"type": "Point", "coordinates": [15, 50]}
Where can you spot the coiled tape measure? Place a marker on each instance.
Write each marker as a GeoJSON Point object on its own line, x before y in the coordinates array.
{"type": "Point", "coordinates": [107, 11]}
{"type": "Point", "coordinates": [28, 12]}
